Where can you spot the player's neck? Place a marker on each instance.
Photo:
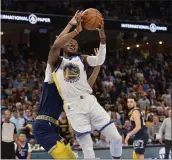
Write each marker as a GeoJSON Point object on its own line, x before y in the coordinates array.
{"type": "Point", "coordinates": [65, 54]}
{"type": "Point", "coordinates": [22, 143]}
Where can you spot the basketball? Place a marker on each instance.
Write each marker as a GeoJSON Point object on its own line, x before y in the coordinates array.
{"type": "Point", "coordinates": [91, 19]}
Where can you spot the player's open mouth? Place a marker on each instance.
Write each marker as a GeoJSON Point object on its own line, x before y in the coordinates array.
{"type": "Point", "coordinates": [73, 48]}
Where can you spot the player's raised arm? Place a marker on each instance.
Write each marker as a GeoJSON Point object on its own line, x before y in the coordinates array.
{"type": "Point", "coordinates": [95, 72]}
{"type": "Point", "coordinates": [63, 39]}
{"type": "Point", "coordinates": [100, 58]}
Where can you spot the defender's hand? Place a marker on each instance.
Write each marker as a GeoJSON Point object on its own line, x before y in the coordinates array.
{"type": "Point", "coordinates": [79, 20]}
{"type": "Point", "coordinates": [73, 21]}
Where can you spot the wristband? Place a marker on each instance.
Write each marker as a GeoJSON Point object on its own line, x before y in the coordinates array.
{"type": "Point", "coordinates": [70, 24]}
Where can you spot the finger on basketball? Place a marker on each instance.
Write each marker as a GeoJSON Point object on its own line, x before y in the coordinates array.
{"type": "Point", "coordinates": [76, 12]}
{"type": "Point", "coordinates": [97, 29]}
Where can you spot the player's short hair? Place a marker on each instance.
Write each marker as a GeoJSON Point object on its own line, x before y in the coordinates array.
{"type": "Point", "coordinates": [132, 97]}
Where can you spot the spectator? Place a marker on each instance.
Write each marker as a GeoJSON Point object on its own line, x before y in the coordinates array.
{"type": "Point", "coordinates": [149, 120]}
{"type": "Point", "coordinates": [15, 119]}
{"type": "Point", "coordinates": [143, 102]}
{"type": "Point", "coordinates": [28, 116]}
{"type": "Point", "coordinates": [103, 143]}
{"type": "Point", "coordinates": [8, 137]}
{"type": "Point", "coordinates": [166, 128]}
{"type": "Point", "coordinates": [113, 95]}
{"type": "Point", "coordinates": [127, 129]}
{"type": "Point", "coordinates": [22, 120]}
{"type": "Point", "coordinates": [25, 152]}
{"type": "Point", "coordinates": [65, 129]}
{"type": "Point", "coordinates": [153, 130]}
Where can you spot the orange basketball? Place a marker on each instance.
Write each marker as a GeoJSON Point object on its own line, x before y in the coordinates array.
{"type": "Point", "coordinates": [91, 19]}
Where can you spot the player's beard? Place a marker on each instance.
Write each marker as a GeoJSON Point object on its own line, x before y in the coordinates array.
{"type": "Point", "coordinates": [131, 107]}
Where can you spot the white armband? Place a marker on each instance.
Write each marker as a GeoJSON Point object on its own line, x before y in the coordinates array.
{"type": "Point", "coordinates": [100, 58]}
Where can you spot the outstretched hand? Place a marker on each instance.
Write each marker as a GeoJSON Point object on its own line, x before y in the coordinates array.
{"type": "Point", "coordinates": [78, 18]}
{"type": "Point", "coordinates": [101, 30]}
{"type": "Point", "coordinates": [73, 21]}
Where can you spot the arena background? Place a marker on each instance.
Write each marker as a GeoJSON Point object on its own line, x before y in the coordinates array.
{"type": "Point", "coordinates": [127, 39]}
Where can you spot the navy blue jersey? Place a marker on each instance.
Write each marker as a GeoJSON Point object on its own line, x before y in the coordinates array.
{"type": "Point", "coordinates": [23, 153]}
{"type": "Point", "coordinates": [143, 129]}
{"type": "Point", "coordinates": [51, 104]}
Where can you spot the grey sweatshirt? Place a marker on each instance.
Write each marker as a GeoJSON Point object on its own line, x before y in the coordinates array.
{"type": "Point", "coordinates": [166, 128]}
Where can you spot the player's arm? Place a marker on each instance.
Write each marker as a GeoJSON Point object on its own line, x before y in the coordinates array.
{"type": "Point", "coordinates": [136, 117]}
{"type": "Point", "coordinates": [100, 58]}
{"type": "Point", "coordinates": [29, 152]}
{"type": "Point", "coordinates": [54, 53]}
{"type": "Point", "coordinates": [95, 72]}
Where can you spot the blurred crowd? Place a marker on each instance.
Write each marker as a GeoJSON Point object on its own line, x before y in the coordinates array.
{"type": "Point", "coordinates": [144, 74]}
{"type": "Point", "coordinates": [132, 10]}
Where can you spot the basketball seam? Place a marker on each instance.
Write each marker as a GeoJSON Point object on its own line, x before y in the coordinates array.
{"type": "Point", "coordinates": [100, 18]}
{"type": "Point", "coordinates": [95, 20]}
{"type": "Point", "coordinates": [87, 21]}
{"type": "Point", "coordinates": [91, 13]}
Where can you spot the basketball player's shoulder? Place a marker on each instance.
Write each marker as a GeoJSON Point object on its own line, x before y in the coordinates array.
{"type": "Point", "coordinates": [136, 112]}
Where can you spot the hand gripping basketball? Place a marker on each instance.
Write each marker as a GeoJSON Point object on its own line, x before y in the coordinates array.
{"type": "Point", "coordinates": [101, 30]}
{"type": "Point", "coordinates": [78, 18]}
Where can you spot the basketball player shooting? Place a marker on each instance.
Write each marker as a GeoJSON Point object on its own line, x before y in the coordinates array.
{"type": "Point", "coordinates": [81, 107]}
{"type": "Point", "coordinates": [50, 107]}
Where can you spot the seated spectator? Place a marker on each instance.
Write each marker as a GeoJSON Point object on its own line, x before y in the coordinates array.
{"type": "Point", "coordinates": [104, 97]}
{"type": "Point", "coordinates": [95, 136]}
{"type": "Point", "coordinates": [153, 130]}
{"type": "Point", "coordinates": [115, 117]}
{"type": "Point", "coordinates": [161, 114]}
{"type": "Point", "coordinates": [127, 129]}
{"type": "Point", "coordinates": [65, 129]}
{"type": "Point", "coordinates": [102, 143]}
{"type": "Point", "coordinates": [25, 152]}
{"type": "Point", "coordinates": [28, 116]}
{"type": "Point", "coordinates": [149, 120]}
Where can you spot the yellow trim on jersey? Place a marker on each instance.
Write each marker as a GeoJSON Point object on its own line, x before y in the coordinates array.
{"type": "Point", "coordinates": [134, 155]}
{"type": "Point", "coordinates": [57, 84]}
{"type": "Point", "coordinates": [60, 151]}
{"type": "Point", "coordinates": [59, 89]}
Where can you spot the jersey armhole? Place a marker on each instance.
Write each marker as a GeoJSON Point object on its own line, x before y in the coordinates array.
{"type": "Point", "coordinates": [58, 63]}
